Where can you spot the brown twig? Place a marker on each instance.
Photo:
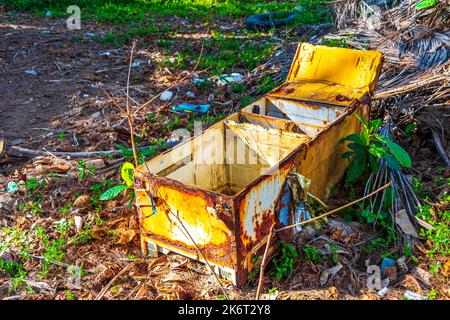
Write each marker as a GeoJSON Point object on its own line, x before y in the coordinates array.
{"type": "Point", "coordinates": [129, 115]}
{"type": "Point", "coordinates": [263, 263]}
{"type": "Point", "coordinates": [20, 152]}
{"type": "Point", "coordinates": [102, 293]}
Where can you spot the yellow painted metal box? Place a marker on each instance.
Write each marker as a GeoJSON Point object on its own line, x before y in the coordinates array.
{"type": "Point", "coordinates": [220, 191]}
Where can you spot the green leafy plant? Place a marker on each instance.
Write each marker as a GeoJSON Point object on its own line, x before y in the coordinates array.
{"type": "Point", "coordinates": [439, 235]}
{"type": "Point", "coordinates": [143, 153]}
{"type": "Point", "coordinates": [368, 146]}
{"type": "Point", "coordinates": [311, 254]}
{"type": "Point", "coordinates": [283, 264]}
{"type": "Point", "coordinates": [84, 170]}
{"type": "Point", "coordinates": [127, 174]}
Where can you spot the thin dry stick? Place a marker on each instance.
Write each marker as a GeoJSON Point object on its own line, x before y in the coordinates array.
{"type": "Point", "coordinates": [102, 293]}
{"type": "Point", "coordinates": [334, 210]}
{"type": "Point", "coordinates": [263, 263]}
{"type": "Point", "coordinates": [129, 115]}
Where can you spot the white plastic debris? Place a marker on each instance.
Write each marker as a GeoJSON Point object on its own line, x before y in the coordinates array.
{"type": "Point", "coordinates": [12, 187]}
{"type": "Point", "coordinates": [383, 291]}
{"type": "Point", "coordinates": [78, 223]}
{"type": "Point", "coordinates": [414, 296]}
{"type": "Point", "coordinates": [90, 34]}
{"type": "Point", "coordinates": [166, 95]}
{"type": "Point", "coordinates": [199, 81]}
{"type": "Point", "coordinates": [106, 53]}
{"type": "Point", "coordinates": [270, 296]}
{"type": "Point", "coordinates": [190, 94]}
{"type": "Point", "coordinates": [225, 79]}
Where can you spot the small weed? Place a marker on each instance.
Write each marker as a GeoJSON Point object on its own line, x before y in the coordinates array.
{"type": "Point", "coordinates": [284, 262]}
{"type": "Point", "coordinates": [433, 294]}
{"type": "Point", "coordinates": [85, 171]}
{"type": "Point", "coordinates": [311, 254]}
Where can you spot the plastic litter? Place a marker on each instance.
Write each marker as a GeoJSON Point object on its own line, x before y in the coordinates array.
{"type": "Point", "coordinates": [172, 142]}
{"type": "Point", "coordinates": [414, 296]}
{"type": "Point", "coordinates": [387, 263]}
{"type": "Point", "coordinates": [32, 72]}
{"type": "Point", "coordinates": [199, 81]}
{"type": "Point", "coordinates": [383, 291]}
{"type": "Point", "coordinates": [188, 107]}
{"type": "Point", "coordinates": [90, 34]}
{"type": "Point", "coordinates": [166, 96]}
{"type": "Point", "coordinates": [12, 187]}
{"type": "Point", "coordinates": [136, 64]}
{"type": "Point", "coordinates": [48, 13]}
{"type": "Point", "coordinates": [225, 79]}
{"type": "Point", "coordinates": [190, 94]}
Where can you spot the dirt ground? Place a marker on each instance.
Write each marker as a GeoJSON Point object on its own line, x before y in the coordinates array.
{"type": "Point", "coordinates": [59, 107]}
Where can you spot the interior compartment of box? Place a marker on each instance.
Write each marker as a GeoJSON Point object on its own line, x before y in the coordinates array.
{"type": "Point", "coordinates": [230, 155]}
{"type": "Point", "coordinates": [310, 118]}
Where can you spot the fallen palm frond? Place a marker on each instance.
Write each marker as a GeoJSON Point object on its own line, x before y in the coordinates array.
{"type": "Point", "coordinates": [400, 196]}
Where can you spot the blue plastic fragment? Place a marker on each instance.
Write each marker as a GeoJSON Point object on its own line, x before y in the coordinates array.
{"type": "Point", "coordinates": [188, 107]}
{"type": "Point", "coordinates": [33, 72]}
{"type": "Point", "coordinates": [284, 207]}
{"type": "Point", "coordinates": [387, 263]}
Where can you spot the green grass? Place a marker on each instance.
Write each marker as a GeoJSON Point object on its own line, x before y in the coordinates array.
{"type": "Point", "coordinates": [123, 11]}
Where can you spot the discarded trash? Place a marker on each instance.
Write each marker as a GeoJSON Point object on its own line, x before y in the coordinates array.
{"type": "Point", "coordinates": [78, 223]}
{"type": "Point", "coordinates": [96, 85]}
{"type": "Point", "coordinates": [187, 107]}
{"type": "Point", "coordinates": [166, 95]}
{"type": "Point", "coordinates": [171, 142]}
{"type": "Point", "coordinates": [423, 275]}
{"type": "Point", "coordinates": [270, 296]}
{"type": "Point", "coordinates": [135, 64]}
{"type": "Point", "coordinates": [90, 34]}
{"type": "Point", "coordinates": [12, 187]}
{"type": "Point", "coordinates": [106, 53]}
{"type": "Point", "coordinates": [225, 79]}
{"type": "Point", "coordinates": [269, 20]}
{"type": "Point", "coordinates": [32, 72]}
{"type": "Point", "coordinates": [219, 191]}
{"type": "Point", "coordinates": [414, 296]}
{"type": "Point", "coordinates": [199, 81]}
{"type": "Point", "coordinates": [190, 94]}
{"type": "Point", "coordinates": [383, 292]}
{"type": "Point", "coordinates": [387, 262]}
{"type": "Point", "coordinates": [389, 269]}
{"type": "Point", "coordinates": [48, 13]}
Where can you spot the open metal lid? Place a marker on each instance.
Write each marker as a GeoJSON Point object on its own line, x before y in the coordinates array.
{"type": "Point", "coordinates": [330, 75]}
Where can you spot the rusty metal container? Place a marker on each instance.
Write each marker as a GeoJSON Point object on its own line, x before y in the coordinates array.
{"type": "Point", "coordinates": [225, 185]}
